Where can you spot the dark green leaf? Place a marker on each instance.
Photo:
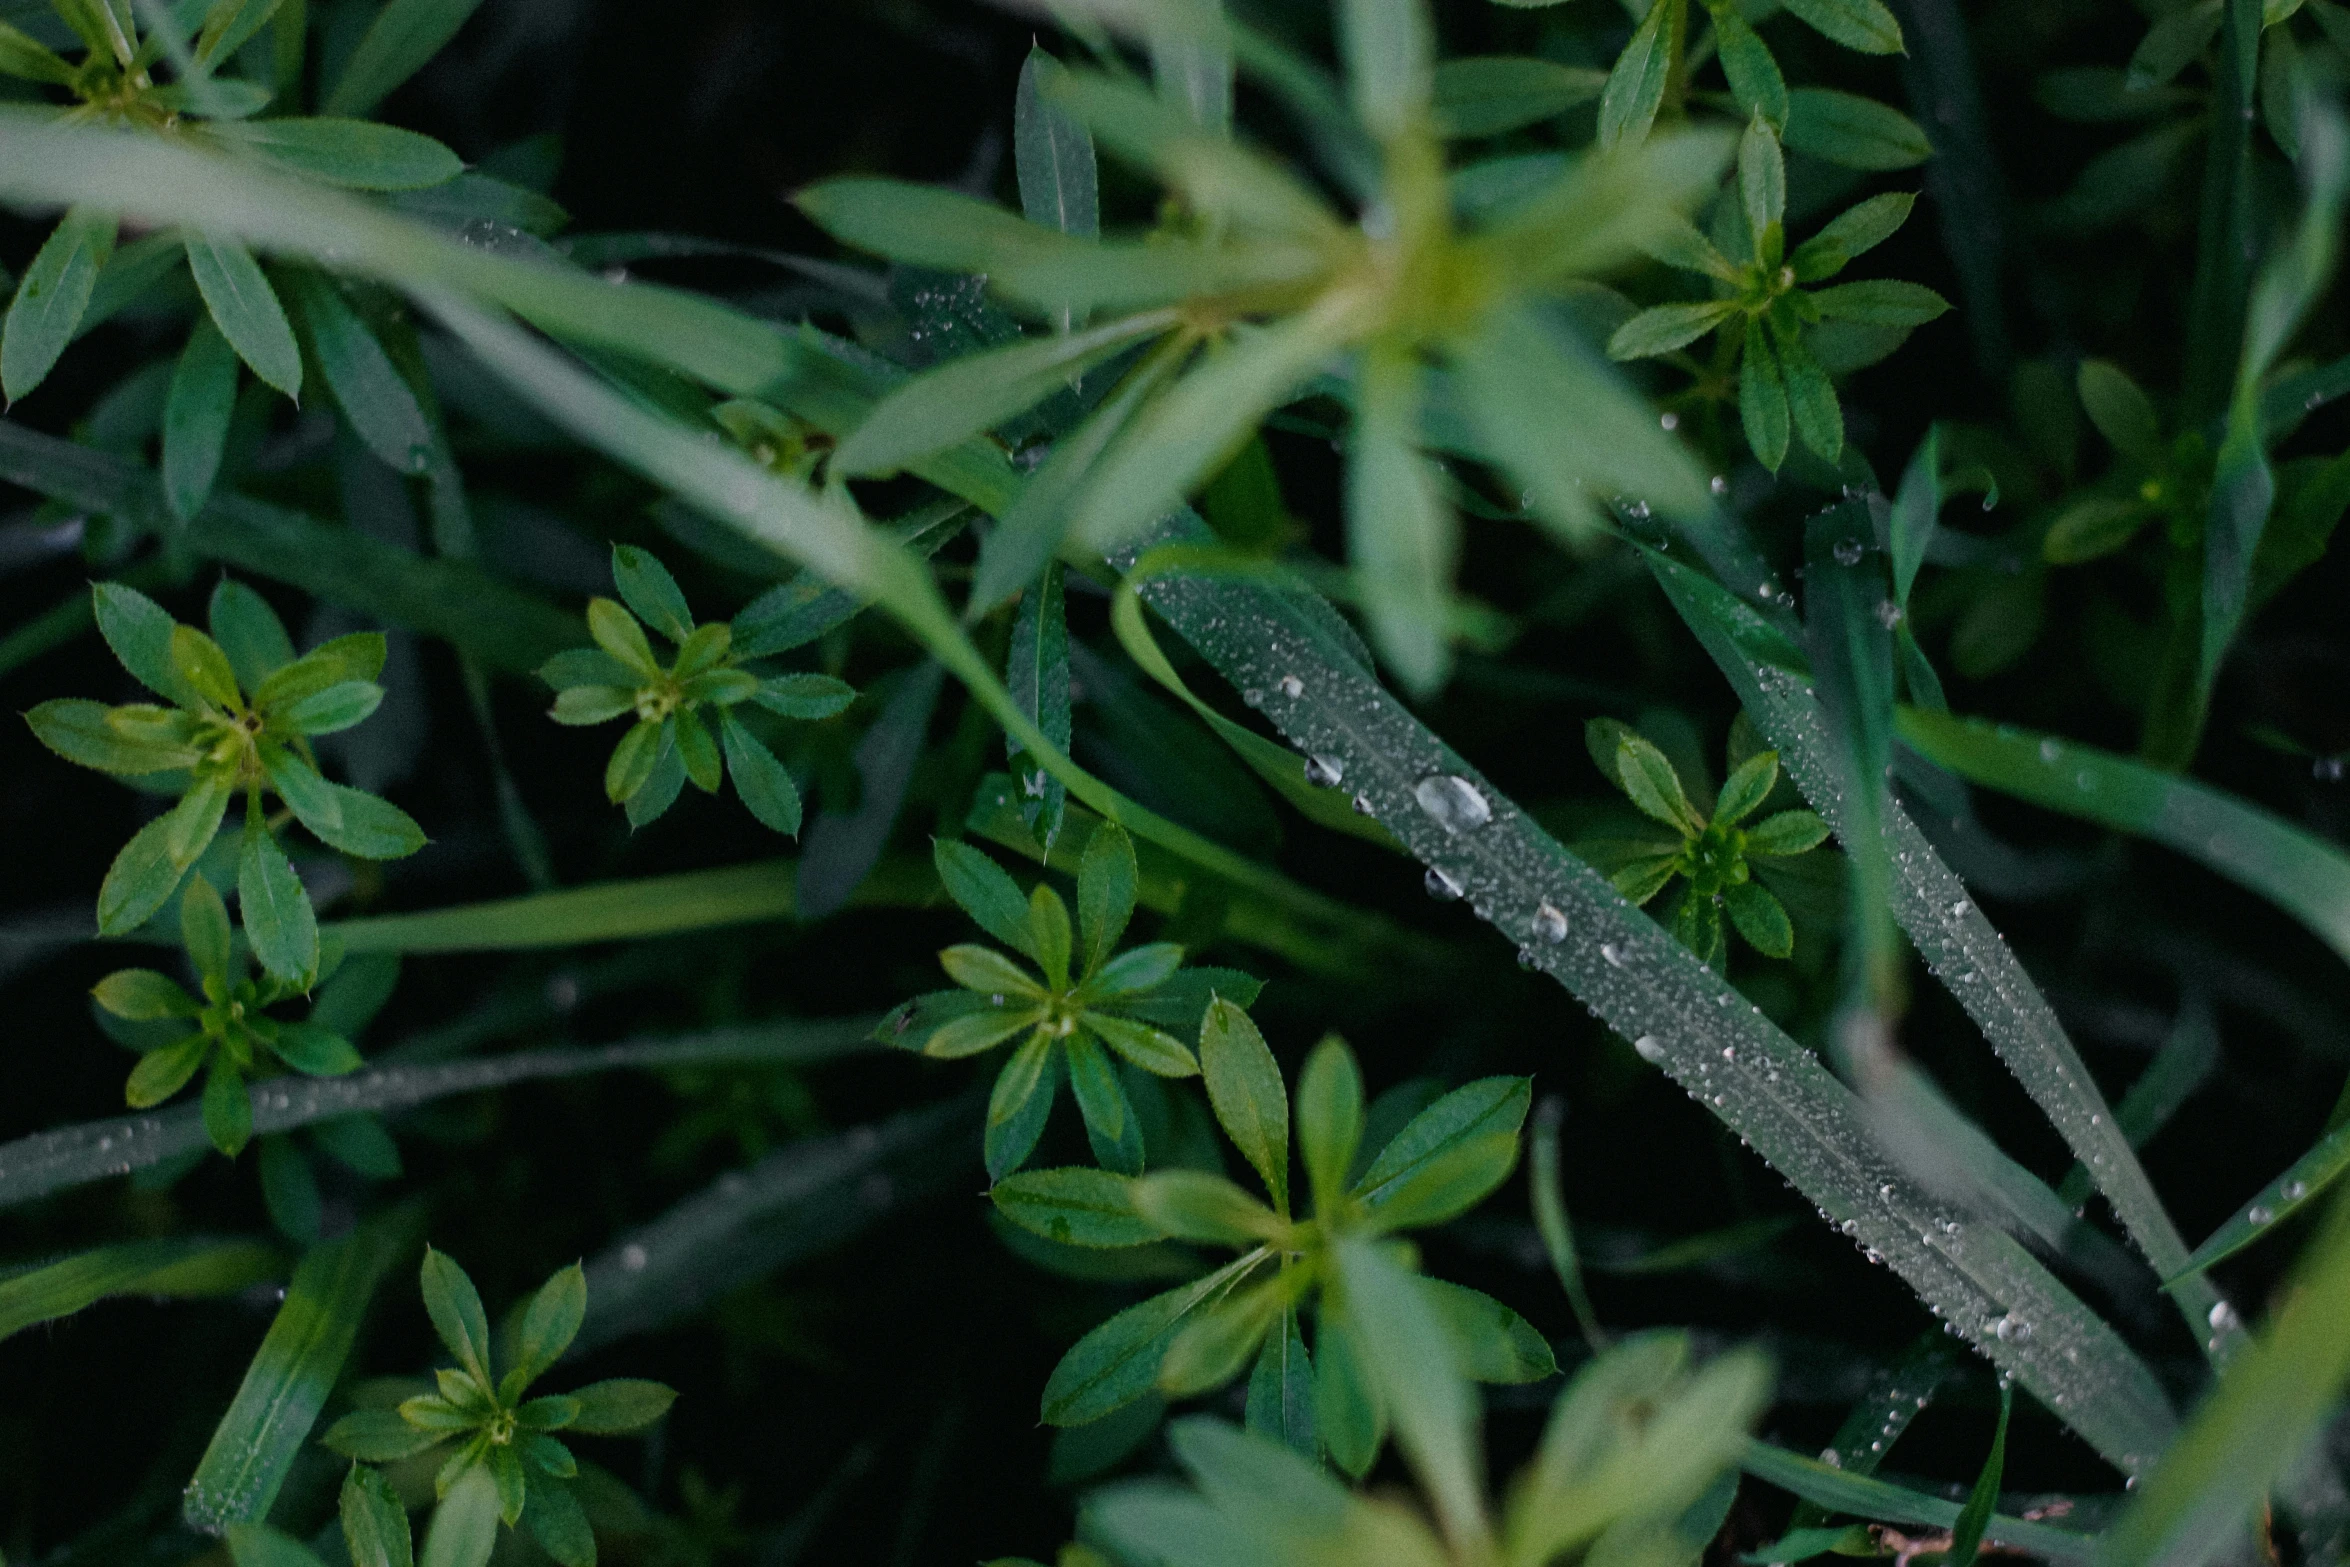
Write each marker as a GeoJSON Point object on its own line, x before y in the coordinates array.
{"type": "Point", "coordinates": [196, 418]}
{"type": "Point", "coordinates": [1855, 132]}
{"type": "Point", "coordinates": [246, 309]}
{"type": "Point", "coordinates": [374, 397]}
{"type": "Point", "coordinates": [51, 297]}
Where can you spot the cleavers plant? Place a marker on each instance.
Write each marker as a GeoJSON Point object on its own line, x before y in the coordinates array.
{"type": "Point", "coordinates": [1090, 508]}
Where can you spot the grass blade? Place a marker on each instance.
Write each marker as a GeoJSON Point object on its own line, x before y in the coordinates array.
{"type": "Point", "coordinates": [189, 1265]}
{"type": "Point", "coordinates": [795, 1202]}
{"type": "Point", "coordinates": [1958, 943]}
{"type": "Point", "coordinates": [299, 1361]}
{"type": "Point", "coordinates": [1966, 1536]}
{"type": "Point", "coordinates": [46, 1162]}
{"type": "Point", "coordinates": [1865, 1497]}
{"type": "Point", "coordinates": [1572, 925]}
{"type": "Point", "coordinates": [2290, 1192]}
{"type": "Point", "coordinates": [2297, 871]}
{"type": "Point", "coordinates": [2271, 1402]}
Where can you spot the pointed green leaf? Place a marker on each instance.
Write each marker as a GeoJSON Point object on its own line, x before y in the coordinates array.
{"type": "Point", "coordinates": [246, 309]}
{"type": "Point", "coordinates": [51, 298]}
{"type": "Point", "coordinates": [374, 396]}
{"type": "Point", "coordinates": [1244, 1085]}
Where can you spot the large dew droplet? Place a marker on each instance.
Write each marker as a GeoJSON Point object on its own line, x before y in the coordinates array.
{"type": "Point", "coordinates": [1549, 924]}
{"type": "Point", "coordinates": [1651, 1048]}
{"type": "Point", "coordinates": [1455, 804]}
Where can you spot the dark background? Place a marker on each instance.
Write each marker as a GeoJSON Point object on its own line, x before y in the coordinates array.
{"type": "Point", "coordinates": [879, 1404]}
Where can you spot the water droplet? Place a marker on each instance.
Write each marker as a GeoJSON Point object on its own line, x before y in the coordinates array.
{"type": "Point", "coordinates": [1958, 909]}
{"type": "Point", "coordinates": [1832, 1458]}
{"type": "Point", "coordinates": [1848, 552]}
{"type": "Point", "coordinates": [2050, 751]}
{"type": "Point", "coordinates": [2224, 1319]}
{"type": "Point", "coordinates": [1456, 804]}
{"type": "Point", "coordinates": [1527, 959]}
{"type": "Point", "coordinates": [1718, 484]}
{"type": "Point", "coordinates": [2258, 1213]}
{"type": "Point", "coordinates": [1651, 1048]}
{"type": "Point", "coordinates": [1292, 687]}
{"type": "Point", "coordinates": [1729, 1052]}
{"type": "Point", "coordinates": [1441, 884]}
{"type": "Point", "coordinates": [1252, 696]}
{"type": "Point", "coordinates": [2012, 1329]}
{"type": "Point", "coordinates": [1323, 772]}
{"type": "Point", "coordinates": [1363, 806]}
{"type": "Point", "coordinates": [2291, 1191]}
{"type": "Point", "coordinates": [633, 1258]}
{"type": "Point", "coordinates": [1613, 953]}
{"type": "Point", "coordinates": [2329, 769]}
{"type": "Point", "coordinates": [1670, 421]}
{"type": "Point", "coordinates": [2084, 780]}
{"type": "Point", "coordinates": [1637, 511]}
{"type": "Point", "coordinates": [1549, 924]}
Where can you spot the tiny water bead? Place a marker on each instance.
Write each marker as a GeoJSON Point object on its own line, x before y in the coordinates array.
{"type": "Point", "coordinates": [2259, 1213]}
{"type": "Point", "coordinates": [2050, 752]}
{"type": "Point", "coordinates": [2224, 1318]}
{"type": "Point", "coordinates": [1613, 953]}
{"type": "Point", "coordinates": [1292, 687]}
{"type": "Point", "coordinates": [1550, 925]}
{"type": "Point", "coordinates": [1364, 807]}
{"type": "Point", "coordinates": [1452, 802]}
{"type": "Point", "coordinates": [1719, 484]}
{"type": "Point", "coordinates": [1650, 1048]}
{"type": "Point", "coordinates": [1848, 552]}
{"type": "Point", "coordinates": [1323, 772]}
{"type": "Point", "coordinates": [2293, 1191]}
{"type": "Point", "coordinates": [1442, 885]}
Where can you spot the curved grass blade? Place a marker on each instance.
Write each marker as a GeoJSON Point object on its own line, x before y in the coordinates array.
{"type": "Point", "coordinates": [2288, 1194]}
{"type": "Point", "coordinates": [300, 1359]}
{"type": "Point", "coordinates": [1572, 925]}
{"type": "Point", "coordinates": [47, 1162]}
{"type": "Point", "coordinates": [1959, 945]}
{"type": "Point", "coordinates": [1867, 1497]}
{"type": "Point", "coordinates": [795, 1202]}
{"type": "Point", "coordinates": [2271, 1403]}
{"type": "Point", "coordinates": [186, 1265]}
{"type": "Point", "coordinates": [2297, 871]}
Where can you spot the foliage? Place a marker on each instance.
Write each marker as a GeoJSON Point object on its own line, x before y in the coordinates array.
{"type": "Point", "coordinates": [1083, 512]}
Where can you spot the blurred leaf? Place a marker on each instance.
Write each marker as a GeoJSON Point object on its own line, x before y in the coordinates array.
{"type": "Point", "coordinates": [300, 1360]}
{"type": "Point", "coordinates": [51, 298]}
{"type": "Point", "coordinates": [401, 38]}
{"type": "Point", "coordinates": [182, 1266]}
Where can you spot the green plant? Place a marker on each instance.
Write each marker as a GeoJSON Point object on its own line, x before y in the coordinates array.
{"type": "Point", "coordinates": [508, 1466]}
{"type": "Point", "coordinates": [676, 707]}
{"type": "Point", "coordinates": [1139, 1005]}
{"type": "Point", "coordinates": [1193, 1339]}
{"type": "Point", "coordinates": [1080, 542]}
{"type": "Point", "coordinates": [234, 1037]}
{"type": "Point", "coordinates": [1716, 850]}
{"type": "Point", "coordinates": [244, 710]}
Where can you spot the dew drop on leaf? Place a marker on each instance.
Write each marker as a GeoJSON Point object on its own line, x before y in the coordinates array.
{"type": "Point", "coordinates": [1454, 803]}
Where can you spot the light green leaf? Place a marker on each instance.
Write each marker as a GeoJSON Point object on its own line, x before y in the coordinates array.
{"type": "Point", "coordinates": [464, 1527]}
{"type": "Point", "coordinates": [1118, 1362]}
{"type": "Point", "coordinates": [1878, 302]}
{"type": "Point", "coordinates": [1486, 95]}
{"type": "Point", "coordinates": [1244, 1086]}
{"type": "Point", "coordinates": [277, 914]}
{"type": "Point", "coordinates": [300, 1360]}
{"type": "Point", "coordinates": [2120, 409]}
{"type": "Point", "coordinates": [1856, 24]}
{"type": "Point", "coordinates": [191, 1266]}
{"type": "Point", "coordinates": [1854, 132]}
{"type": "Point", "coordinates": [258, 1545]}
{"type": "Point", "coordinates": [1762, 180]}
{"type": "Point", "coordinates": [620, 1404]}
{"type": "Point", "coordinates": [375, 1525]}
{"type": "Point", "coordinates": [28, 59]}
{"type": "Point", "coordinates": [1329, 1120]}
{"type": "Point", "coordinates": [355, 153]}
{"type": "Point", "coordinates": [764, 784]}
{"type": "Point", "coordinates": [966, 396]}
{"type": "Point", "coordinates": [1402, 538]}
{"type": "Point", "coordinates": [1636, 86]}
{"type": "Point", "coordinates": [1192, 1205]}
{"type": "Point", "coordinates": [1077, 1206]}
{"type": "Point", "coordinates": [1854, 231]}
{"type": "Point", "coordinates": [1662, 328]}
{"type": "Point", "coordinates": [927, 226]}
{"type": "Point", "coordinates": [1755, 81]}
{"type": "Point", "coordinates": [1432, 1405]}
{"type": "Point", "coordinates": [1181, 438]}
{"type": "Point", "coordinates": [1494, 1343]}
